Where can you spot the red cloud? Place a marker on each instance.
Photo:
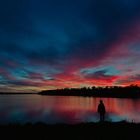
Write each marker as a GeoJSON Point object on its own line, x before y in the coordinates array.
{"type": "Point", "coordinates": [118, 51]}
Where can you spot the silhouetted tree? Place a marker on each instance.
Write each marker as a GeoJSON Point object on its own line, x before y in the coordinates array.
{"type": "Point", "coordinates": [132, 91]}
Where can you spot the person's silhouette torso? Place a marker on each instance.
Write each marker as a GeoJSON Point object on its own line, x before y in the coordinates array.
{"type": "Point", "coordinates": [101, 110]}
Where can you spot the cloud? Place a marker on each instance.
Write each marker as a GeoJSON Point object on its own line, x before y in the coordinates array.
{"type": "Point", "coordinates": [6, 75]}
{"type": "Point", "coordinates": [62, 37]}
{"type": "Point", "coordinates": [127, 80]}
{"type": "Point", "coordinates": [100, 76]}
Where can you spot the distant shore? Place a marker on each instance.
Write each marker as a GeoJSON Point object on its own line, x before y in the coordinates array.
{"type": "Point", "coordinates": [101, 95]}
{"type": "Point", "coordinates": [18, 93]}
{"type": "Point", "coordinates": [83, 131]}
{"type": "Point", "coordinates": [132, 91]}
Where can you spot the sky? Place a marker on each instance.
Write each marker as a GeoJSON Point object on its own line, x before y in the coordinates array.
{"type": "Point", "coordinates": [52, 44]}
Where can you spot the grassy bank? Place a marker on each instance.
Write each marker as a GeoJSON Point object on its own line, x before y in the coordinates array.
{"type": "Point", "coordinates": [84, 131]}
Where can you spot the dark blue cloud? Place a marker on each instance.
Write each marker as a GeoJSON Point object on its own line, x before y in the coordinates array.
{"type": "Point", "coordinates": [52, 30]}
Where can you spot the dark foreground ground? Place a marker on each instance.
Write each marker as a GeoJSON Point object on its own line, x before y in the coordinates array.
{"type": "Point", "coordinates": [88, 131]}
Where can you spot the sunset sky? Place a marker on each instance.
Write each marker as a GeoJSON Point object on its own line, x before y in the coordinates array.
{"type": "Point", "coordinates": [50, 44]}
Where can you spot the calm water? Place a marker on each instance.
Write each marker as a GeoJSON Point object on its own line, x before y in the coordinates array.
{"type": "Point", "coordinates": [59, 109]}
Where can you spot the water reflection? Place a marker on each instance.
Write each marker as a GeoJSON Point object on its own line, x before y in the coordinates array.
{"type": "Point", "coordinates": [59, 109]}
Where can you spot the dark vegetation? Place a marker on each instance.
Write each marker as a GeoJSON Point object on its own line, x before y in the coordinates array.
{"type": "Point", "coordinates": [84, 131]}
{"type": "Point", "coordinates": [132, 91]}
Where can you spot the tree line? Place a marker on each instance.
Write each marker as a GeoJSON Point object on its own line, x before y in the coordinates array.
{"type": "Point", "coordinates": [131, 91]}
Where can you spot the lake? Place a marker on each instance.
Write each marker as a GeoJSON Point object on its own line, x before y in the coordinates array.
{"type": "Point", "coordinates": [65, 109]}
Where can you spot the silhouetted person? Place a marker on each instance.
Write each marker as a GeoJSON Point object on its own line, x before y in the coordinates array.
{"type": "Point", "coordinates": [101, 110]}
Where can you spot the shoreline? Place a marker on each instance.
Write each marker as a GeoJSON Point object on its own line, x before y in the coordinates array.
{"type": "Point", "coordinates": [78, 95]}
{"type": "Point", "coordinates": [82, 131]}
{"type": "Point", "coordinates": [93, 95]}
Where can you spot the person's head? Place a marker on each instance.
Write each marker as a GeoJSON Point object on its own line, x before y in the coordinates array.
{"type": "Point", "coordinates": [101, 101]}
